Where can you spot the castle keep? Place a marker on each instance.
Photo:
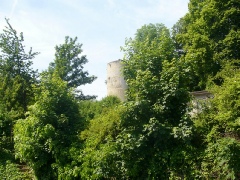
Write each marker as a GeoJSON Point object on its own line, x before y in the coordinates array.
{"type": "Point", "coordinates": [116, 84]}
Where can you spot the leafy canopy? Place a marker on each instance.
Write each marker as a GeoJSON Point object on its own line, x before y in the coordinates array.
{"type": "Point", "coordinates": [45, 138]}
{"type": "Point", "coordinates": [16, 73]}
{"type": "Point", "coordinates": [68, 65]}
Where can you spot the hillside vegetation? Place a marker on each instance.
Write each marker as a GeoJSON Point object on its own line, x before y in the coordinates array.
{"type": "Point", "coordinates": [50, 130]}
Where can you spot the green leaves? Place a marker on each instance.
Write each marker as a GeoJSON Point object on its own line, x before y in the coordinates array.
{"type": "Point", "coordinates": [16, 94]}
{"type": "Point", "coordinates": [16, 73]}
{"type": "Point", "coordinates": [11, 171]}
{"type": "Point", "coordinates": [155, 120]}
{"type": "Point", "coordinates": [219, 125]}
{"type": "Point", "coordinates": [222, 159]}
{"type": "Point", "coordinates": [45, 137]}
{"type": "Point", "coordinates": [151, 135]}
{"type": "Point", "coordinates": [208, 35]}
{"type": "Point", "coordinates": [98, 156]}
{"type": "Point", "coordinates": [68, 65]}
{"type": "Point", "coordinates": [144, 56]}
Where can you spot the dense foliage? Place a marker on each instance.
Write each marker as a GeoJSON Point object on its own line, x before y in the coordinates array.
{"type": "Point", "coordinates": [45, 138]}
{"type": "Point", "coordinates": [16, 94]}
{"type": "Point", "coordinates": [143, 56]}
{"type": "Point", "coordinates": [68, 65]}
{"type": "Point", "coordinates": [220, 127]}
{"type": "Point", "coordinates": [50, 130]}
{"type": "Point", "coordinates": [16, 74]}
{"type": "Point", "coordinates": [155, 122]}
{"type": "Point", "coordinates": [99, 152]}
{"type": "Point", "coordinates": [209, 37]}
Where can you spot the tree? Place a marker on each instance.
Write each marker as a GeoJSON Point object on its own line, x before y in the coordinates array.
{"type": "Point", "coordinates": [16, 73]}
{"type": "Point", "coordinates": [156, 129]}
{"type": "Point", "coordinates": [91, 108]}
{"type": "Point", "coordinates": [179, 28]}
{"type": "Point", "coordinates": [156, 133]}
{"type": "Point", "coordinates": [47, 140]}
{"type": "Point", "coordinates": [146, 52]}
{"type": "Point", "coordinates": [16, 93]}
{"type": "Point", "coordinates": [68, 65]}
{"type": "Point", "coordinates": [219, 125]}
{"type": "Point", "coordinates": [6, 135]}
{"type": "Point", "coordinates": [209, 37]}
{"type": "Point", "coordinates": [98, 155]}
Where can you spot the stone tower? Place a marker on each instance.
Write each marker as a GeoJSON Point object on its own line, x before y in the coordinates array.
{"type": "Point", "coordinates": [116, 84]}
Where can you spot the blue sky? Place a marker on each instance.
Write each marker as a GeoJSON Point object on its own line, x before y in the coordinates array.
{"type": "Point", "coordinates": [100, 25]}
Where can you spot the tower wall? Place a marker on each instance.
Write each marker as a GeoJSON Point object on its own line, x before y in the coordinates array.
{"type": "Point", "coordinates": [116, 84]}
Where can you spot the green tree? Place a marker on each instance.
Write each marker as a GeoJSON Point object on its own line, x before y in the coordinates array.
{"type": "Point", "coordinates": [10, 171]}
{"type": "Point", "coordinates": [179, 28]}
{"type": "Point", "coordinates": [6, 135]}
{"type": "Point", "coordinates": [209, 35]}
{"type": "Point", "coordinates": [156, 129]}
{"type": "Point", "coordinates": [16, 93]}
{"type": "Point", "coordinates": [68, 65]}
{"type": "Point", "coordinates": [16, 73]}
{"type": "Point", "coordinates": [219, 126]}
{"type": "Point", "coordinates": [91, 108]}
{"type": "Point", "coordinates": [156, 133]}
{"type": "Point", "coordinates": [98, 155]}
{"type": "Point", "coordinates": [146, 52]}
{"type": "Point", "coordinates": [47, 140]}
